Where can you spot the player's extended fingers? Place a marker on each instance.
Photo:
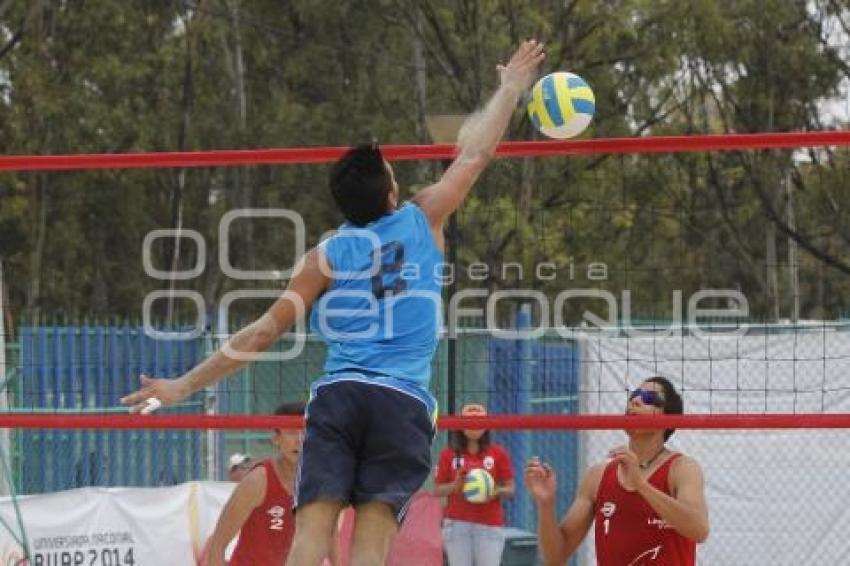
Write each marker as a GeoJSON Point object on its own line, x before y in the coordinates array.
{"type": "Point", "coordinates": [533, 58]}
{"type": "Point", "coordinates": [139, 408]}
{"type": "Point", "coordinates": [623, 457]}
{"type": "Point", "coordinates": [533, 468]}
{"type": "Point", "coordinates": [531, 49]}
{"type": "Point", "coordinates": [535, 49]}
{"type": "Point", "coordinates": [523, 50]}
{"type": "Point", "coordinates": [537, 59]}
{"type": "Point", "coordinates": [142, 394]}
{"type": "Point", "coordinates": [139, 396]}
{"type": "Point", "coordinates": [146, 407]}
{"type": "Point", "coordinates": [534, 477]}
{"type": "Point", "coordinates": [527, 67]}
{"type": "Point", "coordinates": [522, 53]}
{"type": "Point", "coordinates": [616, 451]}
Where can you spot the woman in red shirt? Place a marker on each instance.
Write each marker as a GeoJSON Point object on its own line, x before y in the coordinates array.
{"type": "Point", "coordinates": [472, 532]}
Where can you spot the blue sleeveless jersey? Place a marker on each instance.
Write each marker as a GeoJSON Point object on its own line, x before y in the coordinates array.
{"type": "Point", "coordinates": [382, 313]}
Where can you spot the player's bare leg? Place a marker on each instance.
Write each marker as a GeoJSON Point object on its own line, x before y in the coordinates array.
{"type": "Point", "coordinates": [374, 528]}
{"type": "Point", "coordinates": [315, 533]}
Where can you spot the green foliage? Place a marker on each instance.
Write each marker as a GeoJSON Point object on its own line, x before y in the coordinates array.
{"type": "Point", "coordinates": [166, 76]}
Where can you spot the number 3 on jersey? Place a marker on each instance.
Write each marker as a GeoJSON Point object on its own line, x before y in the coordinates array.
{"type": "Point", "coordinates": [388, 279]}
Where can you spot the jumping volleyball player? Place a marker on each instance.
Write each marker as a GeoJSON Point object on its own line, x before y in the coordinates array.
{"type": "Point", "coordinates": [376, 301]}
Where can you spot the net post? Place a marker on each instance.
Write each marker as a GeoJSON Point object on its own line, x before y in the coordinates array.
{"type": "Point", "coordinates": [213, 340]}
{"type": "Point", "coordinates": [451, 376]}
{"type": "Point", "coordinates": [5, 443]}
{"type": "Point", "coordinates": [524, 511]}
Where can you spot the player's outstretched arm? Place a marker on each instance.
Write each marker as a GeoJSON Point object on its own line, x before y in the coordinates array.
{"type": "Point", "coordinates": [311, 278]}
{"type": "Point", "coordinates": [480, 135]}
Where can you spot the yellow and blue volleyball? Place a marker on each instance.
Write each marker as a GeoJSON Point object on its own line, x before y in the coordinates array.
{"type": "Point", "coordinates": [562, 105]}
{"type": "Point", "coordinates": [478, 486]}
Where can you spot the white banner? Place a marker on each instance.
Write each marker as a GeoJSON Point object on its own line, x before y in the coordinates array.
{"type": "Point", "coordinates": [164, 526]}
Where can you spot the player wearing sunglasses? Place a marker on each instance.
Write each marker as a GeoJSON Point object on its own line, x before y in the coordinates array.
{"type": "Point", "coordinates": [647, 501]}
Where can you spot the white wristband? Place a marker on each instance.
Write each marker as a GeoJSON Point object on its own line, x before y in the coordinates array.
{"type": "Point", "coordinates": [151, 405]}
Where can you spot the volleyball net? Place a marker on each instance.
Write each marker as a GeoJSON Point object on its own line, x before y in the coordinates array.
{"type": "Point", "coordinates": [718, 262]}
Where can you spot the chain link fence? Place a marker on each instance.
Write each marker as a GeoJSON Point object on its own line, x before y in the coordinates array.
{"type": "Point", "coordinates": [770, 493]}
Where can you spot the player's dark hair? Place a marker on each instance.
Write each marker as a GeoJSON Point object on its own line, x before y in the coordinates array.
{"type": "Point", "coordinates": [296, 408]}
{"type": "Point", "coordinates": [673, 404]}
{"type": "Point", "coordinates": [360, 184]}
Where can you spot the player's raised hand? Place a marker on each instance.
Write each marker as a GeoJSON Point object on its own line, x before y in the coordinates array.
{"type": "Point", "coordinates": [155, 393]}
{"type": "Point", "coordinates": [521, 70]}
{"type": "Point", "coordinates": [628, 461]}
{"type": "Point", "coordinates": [540, 480]}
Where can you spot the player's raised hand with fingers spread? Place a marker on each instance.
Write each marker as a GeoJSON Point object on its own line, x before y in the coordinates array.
{"type": "Point", "coordinates": [540, 481]}
{"type": "Point", "coordinates": [155, 393]}
{"type": "Point", "coordinates": [478, 138]}
{"type": "Point", "coordinates": [521, 70]}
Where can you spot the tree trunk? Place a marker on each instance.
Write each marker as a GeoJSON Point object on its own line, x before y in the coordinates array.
{"type": "Point", "coordinates": [180, 185]}
{"type": "Point", "coordinates": [39, 237]}
{"type": "Point", "coordinates": [426, 171]}
{"type": "Point", "coordinates": [241, 189]}
{"type": "Point", "coordinates": [771, 272]}
{"type": "Point", "coordinates": [793, 263]}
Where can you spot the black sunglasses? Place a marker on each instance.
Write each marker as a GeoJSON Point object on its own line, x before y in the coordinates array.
{"type": "Point", "coordinates": [648, 397]}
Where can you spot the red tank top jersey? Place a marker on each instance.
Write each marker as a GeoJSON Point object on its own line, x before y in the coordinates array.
{"type": "Point", "coordinates": [495, 460]}
{"type": "Point", "coordinates": [629, 532]}
{"type": "Point", "coordinates": [267, 534]}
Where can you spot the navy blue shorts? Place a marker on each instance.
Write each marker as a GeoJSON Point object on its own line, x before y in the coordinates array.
{"type": "Point", "coordinates": [364, 443]}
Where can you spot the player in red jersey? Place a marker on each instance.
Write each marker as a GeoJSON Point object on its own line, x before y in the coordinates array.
{"type": "Point", "coordinates": [648, 502]}
{"type": "Point", "coordinates": [260, 508]}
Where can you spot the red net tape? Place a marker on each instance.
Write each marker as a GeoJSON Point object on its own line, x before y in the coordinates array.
{"type": "Point", "coordinates": [658, 144]}
{"type": "Point", "coordinates": [493, 422]}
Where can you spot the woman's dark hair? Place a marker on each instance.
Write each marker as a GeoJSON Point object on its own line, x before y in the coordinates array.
{"type": "Point", "coordinates": [673, 404]}
{"type": "Point", "coordinates": [458, 441]}
{"type": "Point", "coordinates": [360, 184]}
